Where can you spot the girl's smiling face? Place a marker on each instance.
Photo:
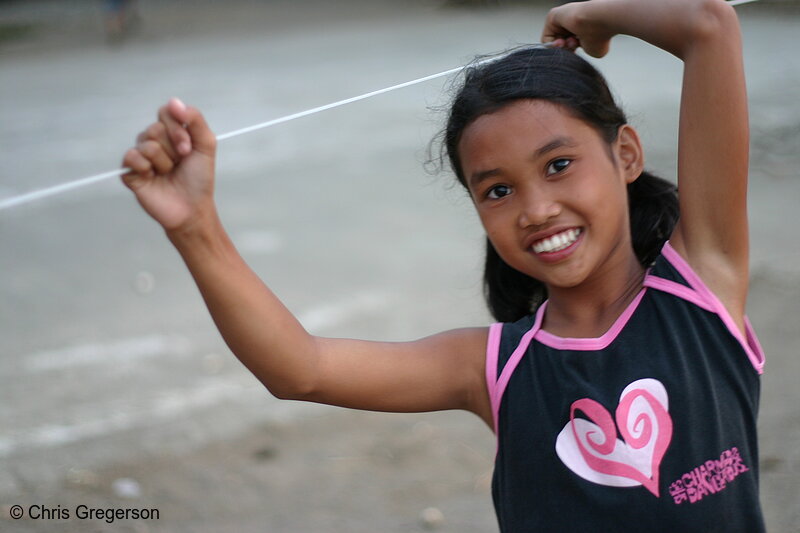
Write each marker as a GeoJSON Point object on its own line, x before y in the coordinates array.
{"type": "Point", "coordinates": [550, 192]}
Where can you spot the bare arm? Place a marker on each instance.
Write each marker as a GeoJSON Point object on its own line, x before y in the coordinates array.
{"type": "Point", "coordinates": [173, 166]}
{"type": "Point", "coordinates": [444, 371]}
{"type": "Point", "coordinates": [713, 146]}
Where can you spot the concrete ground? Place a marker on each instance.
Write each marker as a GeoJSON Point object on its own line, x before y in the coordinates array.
{"type": "Point", "coordinates": [116, 390]}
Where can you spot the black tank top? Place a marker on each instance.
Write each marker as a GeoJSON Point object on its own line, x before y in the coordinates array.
{"type": "Point", "coordinates": [651, 427]}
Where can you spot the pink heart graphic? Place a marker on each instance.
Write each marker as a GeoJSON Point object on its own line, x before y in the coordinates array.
{"type": "Point", "coordinates": [591, 449]}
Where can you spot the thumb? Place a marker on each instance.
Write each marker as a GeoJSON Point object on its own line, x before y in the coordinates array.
{"type": "Point", "coordinates": [202, 138]}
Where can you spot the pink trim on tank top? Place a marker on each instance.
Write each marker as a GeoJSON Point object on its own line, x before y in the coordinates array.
{"type": "Point", "coordinates": [496, 392]}
{"type": "Point", "coordinates": [749, 341]}
{"type": "Point", "coordinates": [676, 289]}
{"type": "Point", "coordinates": [588, 343]}
{"type": "Point", "coordinates": [492, 354]}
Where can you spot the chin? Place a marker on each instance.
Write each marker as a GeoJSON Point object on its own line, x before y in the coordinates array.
{"type": "Point", "coordinates": [563, 284]}
{"type": "Point", "coordinates": [566, 280]}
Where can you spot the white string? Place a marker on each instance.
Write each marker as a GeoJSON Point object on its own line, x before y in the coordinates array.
{"type": "Point", "coordinates": [57, 189]}
{"type": "Point", "coordinates": [336, 104]}
{"type": "Point", "coordinates": [21, 199]}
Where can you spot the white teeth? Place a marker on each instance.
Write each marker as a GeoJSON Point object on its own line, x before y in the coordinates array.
{"type": "Point", "coordinates": [557, 242]}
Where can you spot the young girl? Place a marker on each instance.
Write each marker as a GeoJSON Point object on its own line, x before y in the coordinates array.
{"type": "Point", "coordinates": [623, 382]}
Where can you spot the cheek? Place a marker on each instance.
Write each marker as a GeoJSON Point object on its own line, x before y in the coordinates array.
{"type": "Point", "coordinates": [493, 232]}
{"type": "Point", "coordinates": [496, 223]}
{"type": "Point", "coordinates": [597, 194]}
{"type": "Point", "coordinates": [607, 209]}
{"type": "Point", "coordinates": [498, 233]}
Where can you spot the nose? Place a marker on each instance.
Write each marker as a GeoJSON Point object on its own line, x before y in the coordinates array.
{"type": "Point", "coordinates": [537, 208]}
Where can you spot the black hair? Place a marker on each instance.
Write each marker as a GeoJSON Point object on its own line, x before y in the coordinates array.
{"type": "Point", "coordinates": [563, 78]}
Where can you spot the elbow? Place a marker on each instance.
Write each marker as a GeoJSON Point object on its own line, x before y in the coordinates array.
{"type": "Point", "coordinates": [294, 376]}
{"type": "Point", "coordinates": [712, 19]}
{"type": "Point", "coordinates": [291, 389]}
{"type": "Point", "coordinates": [282, 393]}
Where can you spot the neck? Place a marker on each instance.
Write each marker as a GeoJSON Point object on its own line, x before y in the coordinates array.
{"type": "Point", "coordinates": [591, 308]}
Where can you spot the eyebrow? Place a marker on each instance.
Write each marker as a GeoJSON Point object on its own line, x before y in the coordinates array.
{"type": "Point", "coordinates": [477, 177]}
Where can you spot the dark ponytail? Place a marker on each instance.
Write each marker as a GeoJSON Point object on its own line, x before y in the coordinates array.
{"type": "Point", "coordinates": [566, 79]}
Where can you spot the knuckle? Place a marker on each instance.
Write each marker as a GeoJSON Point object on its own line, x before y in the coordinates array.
{"type": "Point", "coordinates": [178, 134]}
{"type": "Point", "coordinates": [137, 163]}
{"type": "Point", "coordinates": [155, 130]}
{"type": "Point", "coordinates": [132, 159]}
{"type": "Point", "coordinates": [150, 148]}
{"type": "Point", "coordinates": [145, 147]}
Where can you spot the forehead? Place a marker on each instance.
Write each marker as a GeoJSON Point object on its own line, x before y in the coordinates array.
{"type": "Point", "coordinates": [519, 128]}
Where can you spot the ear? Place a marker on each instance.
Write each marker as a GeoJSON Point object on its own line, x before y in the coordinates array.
{"type": "Point", "coordinates": [629, 153]}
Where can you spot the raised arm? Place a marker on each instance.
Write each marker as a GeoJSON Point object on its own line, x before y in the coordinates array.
{"type": "Point", "coordinates": [713, 146]}
{"type": "Point", "coordinates": [173, 177]}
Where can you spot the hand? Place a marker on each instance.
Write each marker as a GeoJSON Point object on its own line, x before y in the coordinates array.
{"type": "Point", "coordinates": [172, 167]}
{"type": "Point", "coordinates": [572, 25]}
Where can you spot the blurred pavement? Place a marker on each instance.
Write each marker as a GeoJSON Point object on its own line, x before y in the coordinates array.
{"type": "Point", "coordinates": [116, 389]}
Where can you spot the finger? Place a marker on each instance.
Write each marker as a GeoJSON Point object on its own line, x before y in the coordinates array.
{"type": "Point", "coordinates": [551, 34]}
{"type": "Point", "coordinates": [135, 161]}
{"type": "Point", "coordinates": [572, 43]}
{"type": "Point", "coordinates": [160, 160]}
{"type": "Point", "coordinates": [560, 39]}
{"type": "Point", "coordinates": [157, 132]}
{"type": "Point", "coordinates": [175, 127]}
{"type": "Point", "coordinates": [553, 30]}
{"type": "Point", "coordinates": [140, 166]}
{"type": "Point", "coordinates": [202, 138]}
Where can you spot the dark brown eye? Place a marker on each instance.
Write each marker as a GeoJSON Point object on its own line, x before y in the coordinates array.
{"type": "Point", "coordinates": [498, 191]}
{"type": "Point", "coordinates": [557, 166]}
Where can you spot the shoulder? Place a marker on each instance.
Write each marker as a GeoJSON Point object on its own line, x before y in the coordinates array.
{"type": "Point", "coordinates": [502, 340]}
{"type": "Point", "coordinates": [463, 354]}
{"type": "Point", "coordinates": [672, 274]}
